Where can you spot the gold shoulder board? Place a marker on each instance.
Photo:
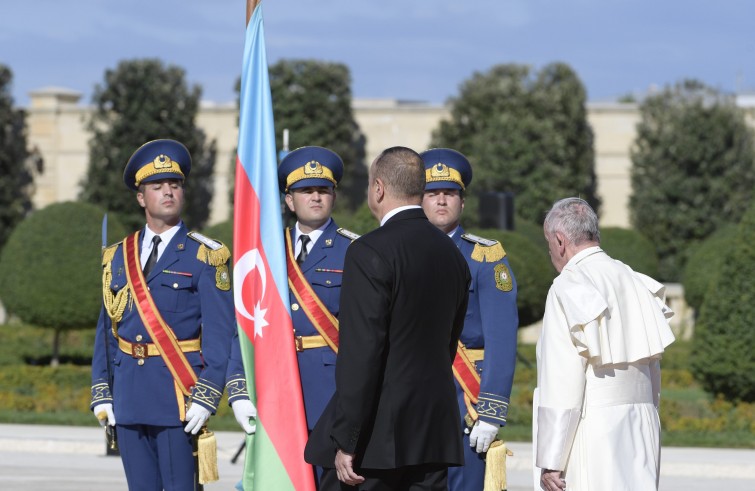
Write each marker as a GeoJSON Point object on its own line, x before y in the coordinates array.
{"type": "Point", "coordinates": [211, 251]}
{"type": "Point", "coordinates": [485, 250]}
{"type": "Point", "coordinates": [109, 252]}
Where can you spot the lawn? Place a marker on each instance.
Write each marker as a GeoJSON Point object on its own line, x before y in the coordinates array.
{"type": "Point", "coordinates": [33, 392]}
{"type": "Point", "coordinates": [689, 415]}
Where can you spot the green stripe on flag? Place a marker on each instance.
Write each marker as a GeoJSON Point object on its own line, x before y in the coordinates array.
{"type": "Point", "coordinates": [263, 469]}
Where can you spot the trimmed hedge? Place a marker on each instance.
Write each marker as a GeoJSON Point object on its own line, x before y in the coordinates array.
{"type": "Point", "coordinates": [532, 269]}
{"type": "Point", "coordinates": [630, 247]}
{"type": "Point", "coordinates": [723, 358]}
{"type": "Point", "coordinates": [704, 263]}
{"type": "Point", "coordinates": [50, 269]}
{"type": "Point", "coordinates": [532, 231]}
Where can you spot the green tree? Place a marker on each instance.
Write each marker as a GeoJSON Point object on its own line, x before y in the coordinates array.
{"type": "Point", "coordinates": [142, 100]}
{"type": "Point", "coordinates": [16, 176]}
{"type": "Point", "coordinates": [722, 356]}
{"type": "Point", "coordinates": [63, 290]}
{"type": "Point", "coordinates": [524, 133]}
{"type": "Point", "coordinates": [630, 247]}
{"type": "Point", "coordinates": [312, 99]}
{"type": "Point", "coordinates": [693, 169]}
{"type": "Point", "coordinates": [704, 265]}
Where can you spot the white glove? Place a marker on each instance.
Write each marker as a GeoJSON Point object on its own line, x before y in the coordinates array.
{"type": "Point", "coordinates": [104, 414]}
{"type": "Point", "coordinates": [243, 411]}
{"type": "Point", "coordinates": [482, 435]}
{"type": "Point", "coordinates": [196, 416]}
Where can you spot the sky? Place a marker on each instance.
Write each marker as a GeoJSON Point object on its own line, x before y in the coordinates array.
{"type": "Point", "coordinates": [418, 50]}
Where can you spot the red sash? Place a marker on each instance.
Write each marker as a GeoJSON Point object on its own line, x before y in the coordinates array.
{"type": "Point", "coordinates": [469, 380]}
{"type": "Point", "coordinates": [160, 332]}
{"type": "Point", "coordinates": [316, 312]}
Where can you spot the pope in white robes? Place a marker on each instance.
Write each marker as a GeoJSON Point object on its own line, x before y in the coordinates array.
{"type": "Point", "coordinates": [595, 422]}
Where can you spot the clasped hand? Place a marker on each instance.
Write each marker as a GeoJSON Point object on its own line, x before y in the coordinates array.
{"type": "Point", "coordinates": [482, 436]}
{"type": "Point", "coordinates": [196, 417]}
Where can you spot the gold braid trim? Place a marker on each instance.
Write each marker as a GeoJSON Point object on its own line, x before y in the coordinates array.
{"type": "Point", "coordinates": [108, 254]}
{"type": "Point", "coordinates": [216, 257]}
{"type": "Point", "coordinates": [488, 254]}
{"type": "Point", "coordinates": [116, 304]}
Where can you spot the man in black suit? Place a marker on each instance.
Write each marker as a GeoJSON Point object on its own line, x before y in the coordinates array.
{"type": "Point", "coordinates": [393, 422]}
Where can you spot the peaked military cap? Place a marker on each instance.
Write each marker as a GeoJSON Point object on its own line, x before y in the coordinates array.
{"type": "Point", "coordinates": [155, 160]}
{"type": "Point", "coordinates": [446, 169]}
{"type": "Point", "coordinates": [309, 166]}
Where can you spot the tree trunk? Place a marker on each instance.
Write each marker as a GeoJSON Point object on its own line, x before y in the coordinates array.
{"type": "Point", "coordinates": [55, 361]}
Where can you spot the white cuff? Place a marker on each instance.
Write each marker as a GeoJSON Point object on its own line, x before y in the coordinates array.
{"type": "Point", "coordinates": [555, 434]}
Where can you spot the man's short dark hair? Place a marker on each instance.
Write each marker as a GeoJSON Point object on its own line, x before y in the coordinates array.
{"type": "Point", "coordinates": [402, 171]}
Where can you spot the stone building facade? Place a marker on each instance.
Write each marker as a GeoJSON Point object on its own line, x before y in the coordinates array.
{"type": "Point", "coordinates": [57, 131]}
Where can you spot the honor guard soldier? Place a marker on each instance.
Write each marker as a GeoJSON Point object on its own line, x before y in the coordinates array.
{"type": "Point", "coordinates": [164, 333]}
{"type": "Point", "coordinates": [315, 251]}
{"type": "Point", "coordinates": [484, 364]}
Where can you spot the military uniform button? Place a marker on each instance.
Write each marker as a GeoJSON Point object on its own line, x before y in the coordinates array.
{"type": "Point", "coordinates": [140, 362]}
{"type": "Point", "coordinates": [139, 337]}
{"type": "Point", "coordinates": [327, 282]}
{"type": "Point", "coordinates": [294, 307]}
{"type": "Point", "coordinates": [175, 285]}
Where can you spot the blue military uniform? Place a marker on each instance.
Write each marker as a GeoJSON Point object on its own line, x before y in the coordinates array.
{"type": "Point", "coordinates": [323, 270]}
{"type": "Point", "coordinates": [190, 286]}
{"type": "Point", "coordinates": [491, 320]}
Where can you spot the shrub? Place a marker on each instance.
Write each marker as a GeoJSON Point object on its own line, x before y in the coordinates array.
{"type": "Point", "coordinates": [724, 336]}
{"type": "Point", "coordinates": [50, 269]}
{"type": "Point", "coordinates": [704, 263]}
{"type": "Point", "coordinates": [532, 231]}
{"type": "Point", "coordinates": [630, 247]}
{"type": "Point", "coordinates": [532, 270]}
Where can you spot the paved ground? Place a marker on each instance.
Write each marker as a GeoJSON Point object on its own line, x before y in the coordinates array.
{"type": "Point", "coordinates": [34, 457]}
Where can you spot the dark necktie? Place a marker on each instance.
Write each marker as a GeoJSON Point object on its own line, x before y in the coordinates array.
{"type": "Point", "coordinates": [152, 259]}
{"type": "Point", "coordinates": [303, 253]}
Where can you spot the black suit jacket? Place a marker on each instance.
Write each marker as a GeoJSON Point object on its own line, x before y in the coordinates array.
{"type": "Point", "coordinates": [403, 301]}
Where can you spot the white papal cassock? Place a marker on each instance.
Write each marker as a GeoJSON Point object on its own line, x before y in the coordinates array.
{"type": "Point", "coordinates": [598, 375]}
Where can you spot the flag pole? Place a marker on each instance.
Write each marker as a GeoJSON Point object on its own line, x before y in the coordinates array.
{"type": "Point", "coordinates": [250, 6]}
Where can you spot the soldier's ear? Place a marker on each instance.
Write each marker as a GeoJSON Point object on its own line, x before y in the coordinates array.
{"type": "Point", "coordinates": [290, 202]}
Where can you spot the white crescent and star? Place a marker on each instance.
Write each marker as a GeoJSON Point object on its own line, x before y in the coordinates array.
{"type": "Point", "coordinates": [249, 262]}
